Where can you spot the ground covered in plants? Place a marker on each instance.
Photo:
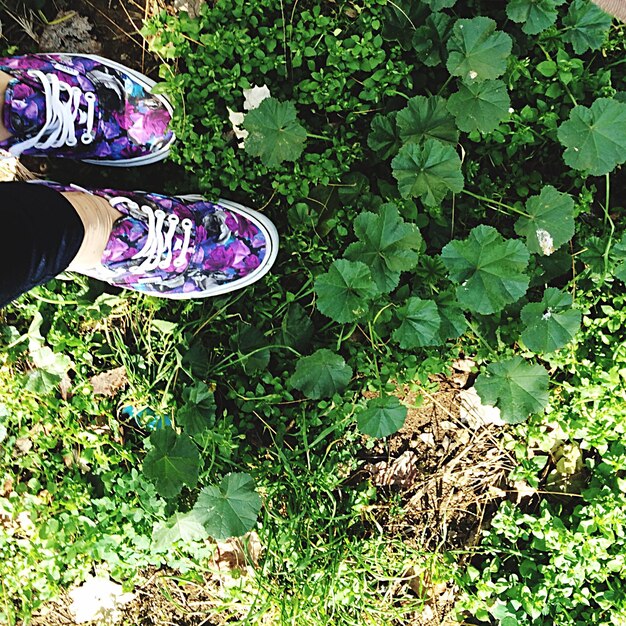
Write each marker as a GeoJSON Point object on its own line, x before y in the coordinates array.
{"type": "Point", "coordinates": [418, 416]}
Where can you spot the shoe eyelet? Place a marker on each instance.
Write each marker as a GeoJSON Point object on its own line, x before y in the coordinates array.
{"type": "Point", "coordinates": [172, 218]}
{"type": "Point", "coordinates": [87, 138]}
{"type": "Point", "coordinates": [71, 141]}
{"type": "Point", "coordinates": [186, 223]}
{"type": "Point", "coordinates": [90, 96]}
{"type": "Point", "coordinates": [159, 213]}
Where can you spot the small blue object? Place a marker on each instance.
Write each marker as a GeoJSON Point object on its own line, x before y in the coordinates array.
{"type": "Point", "coordinates": [146, 418]}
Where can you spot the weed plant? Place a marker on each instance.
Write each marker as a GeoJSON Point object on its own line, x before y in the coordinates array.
{"type": "Point", "coordinates": [445, 178]}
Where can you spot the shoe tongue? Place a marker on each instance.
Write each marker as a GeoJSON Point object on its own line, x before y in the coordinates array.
{"type": "Point", "coordinates": [24, 106]}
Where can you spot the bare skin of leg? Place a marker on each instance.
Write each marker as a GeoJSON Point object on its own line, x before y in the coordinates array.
{"type": "Point", "coordinates": [4, 82]}
{"type": "Point", "coordinates": [98, 217]}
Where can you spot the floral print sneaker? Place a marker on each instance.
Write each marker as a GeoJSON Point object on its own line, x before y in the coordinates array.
{"type": "Point", "coordinates": [183, 246]}
{"type": "Point", "coordinates": [84, 107]}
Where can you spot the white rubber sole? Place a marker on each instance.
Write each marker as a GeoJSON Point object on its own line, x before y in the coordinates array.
{"type": "Point", "coordinates": [271, 252]}
{"type": "Point", "coordinates": [148, 83]}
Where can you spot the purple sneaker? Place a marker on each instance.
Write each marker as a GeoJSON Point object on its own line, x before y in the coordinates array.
{"type": "Point", "coordinates": [84, 107]}
{"type": "Point", "coordinates": [182, 246]}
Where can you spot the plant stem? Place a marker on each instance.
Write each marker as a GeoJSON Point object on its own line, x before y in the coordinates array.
{"type": "Point", "coordinates": [482, 339]}
{"type": "Point", "coordinates": [607, 218]}
{"type": "Point", "coordinates": [502, 204]}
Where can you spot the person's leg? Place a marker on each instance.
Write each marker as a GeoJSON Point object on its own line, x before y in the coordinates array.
{"type": "Point", "coordinates": [41, 233]}
{"type": "Point", "coordinates": [5, 79]}
{"type": "Point", "coordinates": [167, 246]}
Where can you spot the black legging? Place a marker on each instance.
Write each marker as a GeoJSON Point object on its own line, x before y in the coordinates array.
{"type": "Point", "coordinates": [40, 234]}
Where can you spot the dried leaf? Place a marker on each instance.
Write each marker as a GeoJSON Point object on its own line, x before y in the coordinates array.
{"type": "Point", "coordinates": [110, 382]}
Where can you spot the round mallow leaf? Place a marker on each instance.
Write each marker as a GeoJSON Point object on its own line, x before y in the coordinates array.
{"type": "Point", "coordinates": [382, 416]}
{"type": "Point", "coordinates": [519, 389]}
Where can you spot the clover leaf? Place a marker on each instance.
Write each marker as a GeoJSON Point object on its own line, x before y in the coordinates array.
{"type": "Point", "coordinates": [172, 462]}
{"type": "Point", "coordinates": [275, 135]}
{"type": "Point", "coordinates": [383, 138]}
{"type": "Point", "coordinates": [321, 375]}
{"type": "Point", "coordinates": [387, 245]}
{"type": "Point", "coordinates": [423, 118]}
{"type": "Point", "coordinates": [480, 106]}
{"type": "Point", "coordinates": [343, 293]}
{"type": "Point", "coordinates": [514, 386]}
{"type": "Point", "coordinates": [595, 138]}
{"type": "Point", "coordinates": [551, 323]}
{"type": "Point", "coordinates": [488, 268]}
{"type": "Point", "coordinates": [229, 509]}
{"type": "Point", "coordinates": [428, 171]}
{"type": "Point", "coordinates": [420, 322]}
{"type": "Point", "coordinates": [476, 50]}
{"type": "Point", "coordinates": [550, 221]}
{"type": "Point", "coordinates": [536, 15]}
{"type": "Point", "coordinates": [586, 26]}
{"type": "Point", "coordinates": [382, 417]}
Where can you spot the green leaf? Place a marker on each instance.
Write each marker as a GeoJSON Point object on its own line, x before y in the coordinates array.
{"type": "Point", "coordinates": [41, 382]}
{"type": "Point", "coordinates": [321, 375]}
{"type": "Point", "coordinates": [382, 417]}
{"type": "Point", "coordinates": [183, 527]}
{"type": "Point", "coordinates": [586, 26]}
{"type": "Point", "coordinates": [437, 5]}
{"type": "Point", "coordinates": [428, 171]}
{"type": "Point", "coordinates": [230, 509]}
{"type": "Point", "coordinates": [296, 327]}
{"type": "Point", "coordinates": [420, 324]}
{"type": "Point", "coordinates": [477, 51]}
{"type": "Point", "coordinates": [198, 412]}
{"type": "Point", "coordinates": [488, 268]}
{"type": "Point", "coordinates": [387, 245]}
{"type": "Point", "coordinates": [174, 461]}
{"type": "Point", "coordinates": [344, 292]}
{"type": "Point", "coordinates": [593, 255]}
{"type": "Point", "coordinates": [252, 344]}
{"type": "Point", "coordinates": [595, 138]}
{"type": "Point", "coordinates": [453, 322]}
{"type": "Point", "coordinates": [551, 323]}
{"type": "Point", "coordinates": [401, 18]}
{"type": "Point", "coordinates": [275, 133]}
{"type": "Point", "coordinates": [429, 39]}
{"type": "Point", "coordinates": [383, 138]}
{"type": "Point", "coordinates": [618, 255]}
{"type": "Point", "coordinates": [480, 106]}
{"type": "Point", "coordinates": [516, 387]}
{"type": "Point", "coordinates": [536, 15]}
{"type": "Point", "coordinates": [551, 221]}
{"type": "Point", "coordinates": [426, 118]}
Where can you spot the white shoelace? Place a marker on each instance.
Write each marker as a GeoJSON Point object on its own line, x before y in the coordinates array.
{"type": "Point", "coordinates": [158, 248]}
{"type": "Point", "coordinates": [61, 116]}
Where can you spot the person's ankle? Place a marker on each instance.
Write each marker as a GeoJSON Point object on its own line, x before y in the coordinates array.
{"type": "Point", "coordinates": [98, 217]}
